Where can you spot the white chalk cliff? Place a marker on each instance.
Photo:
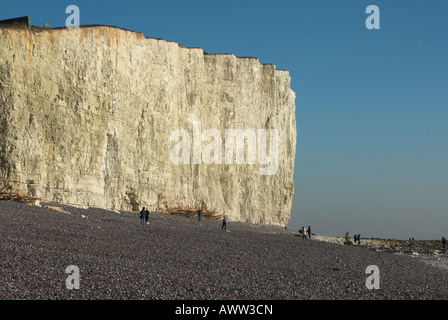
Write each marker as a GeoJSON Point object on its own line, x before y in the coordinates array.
{"type": "Point", "coordinates": [88, 117]}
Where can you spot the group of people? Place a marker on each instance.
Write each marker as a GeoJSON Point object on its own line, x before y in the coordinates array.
{"type": "Point", "coordinates": [305, 232]}
{"type": "Point", "coordinates": [144, 217]}
{"type": "Point", "coordinates": [356, 238]}
{"type": "Point", "coordinates": [443, 242]}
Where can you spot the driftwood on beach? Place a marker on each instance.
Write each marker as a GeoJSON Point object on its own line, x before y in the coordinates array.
{"type": "Point", "coordinates": [189, 210]}
{"type": "Point", "coordinates": [9, 192]}
{"type": "Point", "coordinates": [186, 209]}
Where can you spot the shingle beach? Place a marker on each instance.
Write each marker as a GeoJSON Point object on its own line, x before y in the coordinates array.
{"type": "Point", "coordinates": [175, 257]}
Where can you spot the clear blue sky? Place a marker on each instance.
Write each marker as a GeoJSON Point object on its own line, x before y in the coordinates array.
{"type": "Point", "coordinates": [371, 105]}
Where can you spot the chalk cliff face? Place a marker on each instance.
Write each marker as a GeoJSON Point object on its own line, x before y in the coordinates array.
{"type": "Point", "coordinates": [101, 116]}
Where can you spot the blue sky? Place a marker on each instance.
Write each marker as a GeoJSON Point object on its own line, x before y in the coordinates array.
{"type": "Point", "coordinates": [371, 105]}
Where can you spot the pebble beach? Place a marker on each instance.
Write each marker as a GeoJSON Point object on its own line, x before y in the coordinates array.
{"type": "Point", "coordinates": [179, 258]}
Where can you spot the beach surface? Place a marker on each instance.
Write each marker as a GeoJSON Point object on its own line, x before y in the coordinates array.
{"type": "Point", "coordinates": [174, 257]}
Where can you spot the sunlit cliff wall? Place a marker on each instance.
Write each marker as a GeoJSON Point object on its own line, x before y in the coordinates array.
{"type": "Point", "coordinates": [86, 117]}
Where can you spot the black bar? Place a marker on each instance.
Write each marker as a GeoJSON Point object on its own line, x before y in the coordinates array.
{"type": "Point", "coordinates": [217, 309]}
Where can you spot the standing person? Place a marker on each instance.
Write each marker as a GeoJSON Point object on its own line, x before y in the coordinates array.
{"type": "Point", "coordinates": [443, 243]}
{"type": "Point", "coordinates": [347, 238]}
{"type": "Point", "coordinates": [359, 239]}
{"type": "Point", "coordinates": [303, 233]}
{"type": "Point", "coordinates": [143, 215]}
{"type": "Point", "coordinates": [199, 215]}
{"type": "Point", "coordinates": [224, 223]}
{"type": "Point", "coordinates": [309, 232]}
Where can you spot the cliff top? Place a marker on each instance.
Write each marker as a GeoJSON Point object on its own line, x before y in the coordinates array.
{"type": "Point", "coordinates": [24, 22]}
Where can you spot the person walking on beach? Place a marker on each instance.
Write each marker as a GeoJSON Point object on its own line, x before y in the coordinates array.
{"type": "Point", "coordinates": [143, 215]}
{"type": "Point", "coordinates": [309, 232]}
{"type": "Point", "coordinates": [303, 233]}
{"type": "Point", "coordinates": [224, 223]}
{"type": "Point", "coordinates": [359, 238]}
{"type": "Point", "coordinates": [443, 243]}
